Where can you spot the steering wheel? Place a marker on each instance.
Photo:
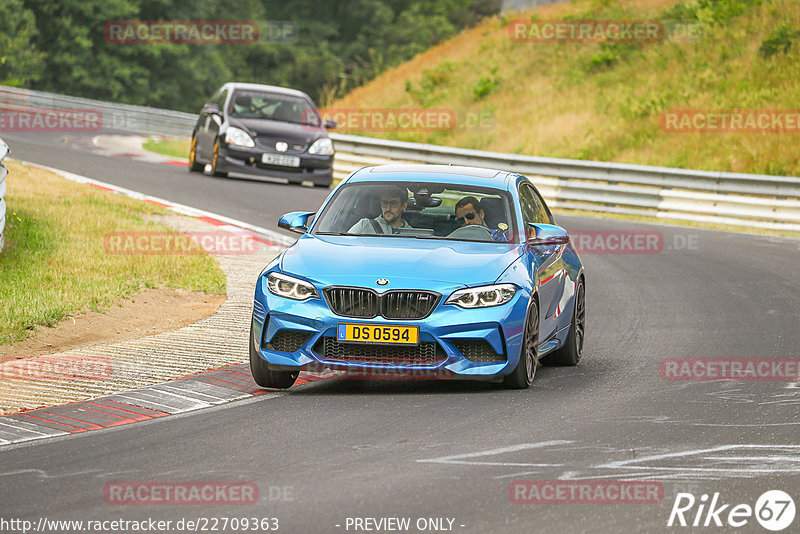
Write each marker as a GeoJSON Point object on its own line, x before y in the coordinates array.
{"type": "Point", "coordinates": [473, 232]}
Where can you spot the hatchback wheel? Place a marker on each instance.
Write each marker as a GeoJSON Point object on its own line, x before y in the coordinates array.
{"type": "Point", "coordinates": [193, 165]}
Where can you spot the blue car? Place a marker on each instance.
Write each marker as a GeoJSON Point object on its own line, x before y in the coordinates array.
{"type": "Point", "coordinates": [423, 270]}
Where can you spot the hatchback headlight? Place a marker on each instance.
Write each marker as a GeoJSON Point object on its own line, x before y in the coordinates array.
{"type": "Point", "coordinates": [237, 136]}
{"type": "Point", "coordinates": [483, 297]}
{"type": "Point", "coordinates": [290, 287]}
{"type": "Point", "coordinates": [322, 147]}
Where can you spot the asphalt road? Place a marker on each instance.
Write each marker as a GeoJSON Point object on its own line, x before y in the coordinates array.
{"type": "Point", "coordinates": [333, 450]}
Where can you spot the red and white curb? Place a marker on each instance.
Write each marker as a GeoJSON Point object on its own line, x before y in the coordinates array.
{"type": "Point", "coordinates": [180, 395]}
{"type": "Point", "coordinates": [187, 394]}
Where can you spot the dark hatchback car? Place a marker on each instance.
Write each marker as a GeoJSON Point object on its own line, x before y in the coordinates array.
{"type": "Point", "coordinates": [262, 130]}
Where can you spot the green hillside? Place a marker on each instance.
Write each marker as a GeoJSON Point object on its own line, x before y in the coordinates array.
{"type": "Point", "coordinates": [607, 100]}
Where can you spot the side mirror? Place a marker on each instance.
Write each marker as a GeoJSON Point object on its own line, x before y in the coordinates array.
{"type": "Point", "coordinates": [295, 221]}
{"type": "Point", "coordinates": [211, 108]}
{"type": "Point", "coordinates": [541, 235]}
{"type": "Point", "coordinates": [330, 124]}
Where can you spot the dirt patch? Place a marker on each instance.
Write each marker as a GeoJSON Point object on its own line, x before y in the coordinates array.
{"type": "Point", "coordinates": [150, 312]}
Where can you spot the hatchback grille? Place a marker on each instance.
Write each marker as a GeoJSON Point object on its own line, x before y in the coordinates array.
{"type": "Point", "coordinates": [268, 142]}
{"type": "Point", "coordinates": [396, 304]}
{"type": "Point", "coordinates": [427, 353]}
{"type": "Point", "coordinates": [287, 340]}
{"type": "Point", "coordinates": [478, 350]}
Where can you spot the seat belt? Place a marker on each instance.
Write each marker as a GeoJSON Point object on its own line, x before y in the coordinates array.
{"type": "Point", "coordinates": [376, 226]}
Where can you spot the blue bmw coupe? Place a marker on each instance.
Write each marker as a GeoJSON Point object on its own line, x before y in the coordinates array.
{"type": "Point", "coordinates": [455, 272]}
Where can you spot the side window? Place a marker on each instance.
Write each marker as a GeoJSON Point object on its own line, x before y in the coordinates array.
{"type": "Point", "coordinates": [547, 217]}
{"type": "Point", "coordinates": [531, 209]}
{"type": "Point", "coordinates": [220, 101]}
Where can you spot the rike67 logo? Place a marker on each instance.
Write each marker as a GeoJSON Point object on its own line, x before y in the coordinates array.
{"type": "Point", "coordinates": [774, 510]}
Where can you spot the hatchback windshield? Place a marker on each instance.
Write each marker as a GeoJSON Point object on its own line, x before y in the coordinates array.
{"type": "Point", "coordinates": [273, 106]}
{"type": "Point", "coordinates": [419, 210]}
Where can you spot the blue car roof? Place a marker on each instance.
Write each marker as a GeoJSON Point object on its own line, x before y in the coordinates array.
{"type": "Point", "coordinates": [450, 174]}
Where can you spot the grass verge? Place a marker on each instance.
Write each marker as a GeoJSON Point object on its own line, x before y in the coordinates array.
{"type": "Point", "coordinates": [54, 263]}
{"type": "Point", "coordinates": [168, 146]}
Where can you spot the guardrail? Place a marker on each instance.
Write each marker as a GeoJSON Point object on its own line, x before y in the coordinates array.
{"type": "Point", "coordinates": [703, 196]}
{"type": "Point", "coordinates": [662, 192]}
{"type": "Point", "coordinates": [122, 117]}
{"type": "Point", "coordinates": [3, 173]}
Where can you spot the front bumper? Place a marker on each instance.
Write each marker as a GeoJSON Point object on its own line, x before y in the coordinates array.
{"type": "Point", "coordinates": [454, 342]}
{"type": "Point", "coordinates": [317, 169]}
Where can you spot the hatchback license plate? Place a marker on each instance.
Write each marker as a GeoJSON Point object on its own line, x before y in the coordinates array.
{"type": "Point", "coordinates": [378, 334]}
{"type": "Point", "coordinates": [277, 159]}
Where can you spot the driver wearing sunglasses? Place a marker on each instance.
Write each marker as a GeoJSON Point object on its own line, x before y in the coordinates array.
{"type": "Point", "coordinates": [469, 211]}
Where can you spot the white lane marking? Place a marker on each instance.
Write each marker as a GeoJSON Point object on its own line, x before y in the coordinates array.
{"type": "Point", "coordinates": [29, 427]}
{"type": "Point", "coordinates": [520, 474]}
{"type": "Point", "coordinates": [174, 206]}
{"type": "Point", "coordinates": [576, 475]}
{"type": "Point", "coordinates": [695, 452]}
{"type": "Point", "coordinates": [146, 399]}
{"type": "Point", "coordinates": [202, 396]}
{"type": "Point", "coordinates": [781, 462]}
{"type": "Point", "coordinates": [690, 423]}
{"type": "Point", "coordinates": [462, 458]}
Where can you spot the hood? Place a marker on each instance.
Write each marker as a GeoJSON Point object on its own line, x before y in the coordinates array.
{"type": "Point", "coordinates": [407, 263]}
{"type": "Point", "coordinates": [287, 131]}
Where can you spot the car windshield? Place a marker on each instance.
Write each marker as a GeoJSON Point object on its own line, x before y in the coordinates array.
{"type": "Point", "coordinates": [419, 210]}
{"type": "Point", "coordinates": [273, 106]}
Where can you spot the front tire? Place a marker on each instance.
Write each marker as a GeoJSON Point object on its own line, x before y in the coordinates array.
{"type": "Point", "coordinates": [193, 165]}
{"type": "Point", "coordinates": [571, 352]}
{"type": "Point", "coordinates": [214, 158]}
{"type": "Point", "coordinates": [262, 374]}
{"type": "Point", "coordinates": [523, 374]}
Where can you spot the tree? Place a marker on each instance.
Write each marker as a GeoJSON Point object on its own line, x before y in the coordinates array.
{"type": "Point", "coordinates": [20, 62]}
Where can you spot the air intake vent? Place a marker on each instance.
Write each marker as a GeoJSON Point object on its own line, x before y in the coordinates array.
{"type": "Point", "coordinates": [478, 351]}
{"type": "Point", "coordinates": [287, 340]}
{"type": "Point", "coordinates": [427, 353]}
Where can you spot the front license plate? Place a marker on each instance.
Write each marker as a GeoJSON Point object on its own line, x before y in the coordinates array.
{"type": "Point", "coordinates": [277, 159]}
{"type": "Point", "coordinates": [378, 334]}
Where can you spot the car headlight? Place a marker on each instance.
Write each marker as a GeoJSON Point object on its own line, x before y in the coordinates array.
{"type": "Point", "coordinates": [237, 136]}
{"type": "Point", "coordinates": [482, 297]}
{"type": "Point", "coordinates": [290, 287]}
{"type": "Point", "coordinates": [322, 147]}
